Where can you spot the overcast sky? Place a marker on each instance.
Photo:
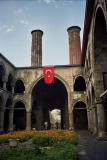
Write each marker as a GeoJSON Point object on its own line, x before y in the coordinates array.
{"type": "Point", "coordinates": [19, 17]}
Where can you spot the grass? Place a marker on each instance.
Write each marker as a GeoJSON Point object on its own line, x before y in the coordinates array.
{"type": "Point", "coordinates": [47, 145]}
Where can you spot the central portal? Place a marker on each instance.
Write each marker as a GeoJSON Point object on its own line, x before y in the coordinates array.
{"type": "Point", "coordinates": [46, 98]}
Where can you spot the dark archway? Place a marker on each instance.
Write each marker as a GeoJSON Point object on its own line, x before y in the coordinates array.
{"type": "Point", "coordinates": [19, 87]}
{"type": "Point", "coordinates": [100, 46]}
{"type": "Point", "coordinates": [80, 116]}
{"type": "Point", "coordinates": [79, 84]}
{"type": "Point", "coordinates": [6, 114]}
{"type": "Point", "coordinates": [2, 74]}
{"type": "Point", "coordinates": [9, 83]}
{"type": "Point", "coordinates": [19, 116]}
{"type": "Point", "coordinates": [48, 97]}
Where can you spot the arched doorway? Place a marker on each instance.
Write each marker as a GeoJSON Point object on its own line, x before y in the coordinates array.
{"type": "Point", "coordinates": [48, 97]}
{"type": "Point", "coordinates": [80, 116]}
{"type": "Point", "coordinates": [19, 121]}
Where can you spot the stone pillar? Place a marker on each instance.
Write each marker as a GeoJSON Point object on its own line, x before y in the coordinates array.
{"type": "Point", "coordinates": [66, 115]}
{"type": "Point", "coordinates": [70, 113]}
{"type": "Point", "coordinates": [88, 116]}
{"type": "Point", "coordinates": [12, 89]}
{"type": "Point", "coordinates": [94, 120]}
{"type": "Point", "coordinates": [101, 117]}
{"type": "Point", "coordinates": [28, 120]}
{"type": "Point", "coordinates": [10, 129]}
{"type": "Point", "coordinates": [4, 83]}
{"type": "Point", "coordinates": [1, 120]}
{"type": "Point", "coordinates": [91, 120]}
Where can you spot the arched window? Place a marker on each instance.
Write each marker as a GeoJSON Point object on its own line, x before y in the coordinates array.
{"type": "Point", "coordinates": [79, 84]}
{"type": "Point", "coordinates": [2, 73]}
{"type": "Point", "coordinates": [19, 87]}
{"type": "Point", "coordinates": [9, 83]}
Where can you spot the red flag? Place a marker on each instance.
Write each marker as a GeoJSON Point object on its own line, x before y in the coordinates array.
{"type": "Point", "coordinates": [48, 74]}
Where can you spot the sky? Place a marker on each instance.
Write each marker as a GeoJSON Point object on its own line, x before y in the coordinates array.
{"type": "Point", "coordinates": [19, 17]}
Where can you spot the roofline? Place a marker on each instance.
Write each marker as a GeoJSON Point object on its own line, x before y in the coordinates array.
{"type": "Point", "coordinates": [87, 25]}
{"type": "Point", "coordinates": [1, 55]}
{"type": "Point", "coordinates": [56, 66]}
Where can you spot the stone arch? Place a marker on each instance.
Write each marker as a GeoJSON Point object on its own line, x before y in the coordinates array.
{"type": "Point", "coordinates": [49, 99]}
{"type": "Point", "coordinates": [100, 35]}
{"type": "Point", "coordinates": [56, 76]}
{"type": "Point", "coordinates": [80, 116]}
{"type": "Point", "coordinates": [19, 120]}
{"type": "Point", "coordinates": [79, 83]}
{"type": "Point", "coordinates": [19, 86]}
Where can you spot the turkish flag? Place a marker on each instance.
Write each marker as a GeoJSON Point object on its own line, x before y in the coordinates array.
{"type": "Point", "coordinates": [48, 74]}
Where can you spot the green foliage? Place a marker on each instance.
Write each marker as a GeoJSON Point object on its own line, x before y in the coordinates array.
{"type": "Point", "coordinates": [63, 150]}
{"type": "Point", "coordinates": [43, 141]}
{"type": "Point", "coordinates": [46, 148]}
{"type": "Point", "coordinates": [24, 139]}
{"type": "Point", "coordinates": [4, 140]}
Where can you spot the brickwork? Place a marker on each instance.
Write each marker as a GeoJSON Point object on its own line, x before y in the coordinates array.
{"type": "Point", "coordinates": [74, 45]}
{"type": "Point", "coordinates": [36, 51]}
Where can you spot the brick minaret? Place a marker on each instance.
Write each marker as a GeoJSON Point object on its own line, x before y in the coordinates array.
{"type": "Point", "coordinates": [36, 50]}
{"type": "Point", "coordinates": [74, 45]}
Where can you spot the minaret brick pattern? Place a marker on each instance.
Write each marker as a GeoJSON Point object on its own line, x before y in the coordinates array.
{"type": "Point", "coordinates": [74, 45]}
{"type": "Point", "coordinates": [36, 50]}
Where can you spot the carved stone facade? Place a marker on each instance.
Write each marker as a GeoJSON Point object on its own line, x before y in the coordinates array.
{"type": "Point", "coordinates": [79, 91]}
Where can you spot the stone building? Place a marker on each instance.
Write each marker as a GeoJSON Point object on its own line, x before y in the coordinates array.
{"type": "Point", "coordinates": [79, 89]}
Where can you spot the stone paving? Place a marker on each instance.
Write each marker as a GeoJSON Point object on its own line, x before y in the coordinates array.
{"type": "Point", "coordinates": [90, 148]}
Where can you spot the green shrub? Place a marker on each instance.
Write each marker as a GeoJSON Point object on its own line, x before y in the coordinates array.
{"type": "Point", "coordinates": [43, 141]}
{"type": "Point", "coordinates": [4, 140]}
{"type": "Point", "coordinates": [63, 150]}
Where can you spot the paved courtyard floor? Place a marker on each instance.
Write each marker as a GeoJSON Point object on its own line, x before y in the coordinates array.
{"type": "Point", "coordinates": [90, 148]}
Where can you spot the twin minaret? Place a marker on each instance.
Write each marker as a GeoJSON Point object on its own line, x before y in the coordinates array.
{"type": "Point", "coordinates": [74, 46]}
{"type": "Point", "coordinates": [36, 50]}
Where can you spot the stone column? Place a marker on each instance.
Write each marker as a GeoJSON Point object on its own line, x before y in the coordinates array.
{"type": "Point", "coordinates": [101, 117]}
{"type": "Point", "coordinates": [70, 113]}
{"type": "Point", "coordinates": [91, 120]}
{"type": "Point", "coordinates": [12, 89]}
{"type": "Point", "coordinates": [1, 120]}
{"type": "Point", "coordinates": [4, 83]}
{"type": "Point", "coordinates": [28, 120]}
{"type": "Point", "coordinates": [66, 121]}
{"type": "Point", "coordinates": [94, 120]}
{"type": "Point", "coordinates": [88, 116]}
{"type": "Point", "coordinates": [10, 129]}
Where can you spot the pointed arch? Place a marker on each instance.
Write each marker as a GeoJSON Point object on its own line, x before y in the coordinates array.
{"type": "Point", "coordinates": [79, 84]}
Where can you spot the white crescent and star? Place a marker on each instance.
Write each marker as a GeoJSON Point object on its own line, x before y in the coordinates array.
{"type": "Point", "coordinates": [48, 72]}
